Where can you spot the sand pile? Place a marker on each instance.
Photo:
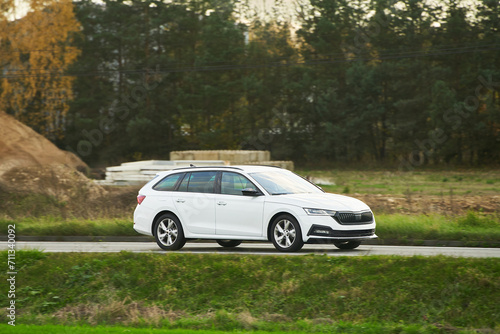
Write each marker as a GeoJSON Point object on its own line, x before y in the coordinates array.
{"type": "Point", "coordinates": [30, 163]}
{"type": "Point", "coordinates": [20, 146]}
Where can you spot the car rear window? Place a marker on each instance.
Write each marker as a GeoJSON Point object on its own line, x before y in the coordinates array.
{"type": "Point", "coordinates": [168, 183]}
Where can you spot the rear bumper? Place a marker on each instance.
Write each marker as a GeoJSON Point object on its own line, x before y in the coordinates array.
{"type": "Point", "coordinates": [142, 223]}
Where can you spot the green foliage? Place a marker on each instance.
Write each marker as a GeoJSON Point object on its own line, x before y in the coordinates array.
{"type": "Point", "coordinates": [410, 85]}
{"type": "Point", "coordinates": [475, 220]}
{"type": "Point", "coordinates": [57, 226]}
{"type": "Point", "coordinates": [253, 292]}
{"type": "Point", "coordinates": [34, 204]}
{"type": "Point", "coordinates": [472, 229]}
{"type": "Point", "coordinates": [299, 328]}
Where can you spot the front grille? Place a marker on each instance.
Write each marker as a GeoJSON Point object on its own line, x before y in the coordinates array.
{"type": "Point", "coordinates": [352, 218]}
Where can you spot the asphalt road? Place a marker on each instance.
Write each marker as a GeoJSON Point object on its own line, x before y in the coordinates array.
{"type": "Point", "coordinates": [252, 248]}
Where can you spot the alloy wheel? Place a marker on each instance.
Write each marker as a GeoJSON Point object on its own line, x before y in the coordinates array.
{"type": "Point", "coordinates": [285, 233]}
{"type": "Point", "coordinates": [167, 232]}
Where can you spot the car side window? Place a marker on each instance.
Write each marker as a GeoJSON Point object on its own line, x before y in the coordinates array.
{"type": "Point", "coordinates": [199, 182]}
{"type": "Point", "coordinates": [168, 183]}
{"type": "Point", "coordinates": [234, 183]}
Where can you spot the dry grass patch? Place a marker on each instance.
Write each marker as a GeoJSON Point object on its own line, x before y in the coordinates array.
{"type": "Point", "coordinates": [125, 312]}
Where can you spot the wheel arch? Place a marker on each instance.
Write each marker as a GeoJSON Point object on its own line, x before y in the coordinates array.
{"type": "Point", "coordinates": [273, 218]}
{"type": "Point", "coordinates": [158, 215]}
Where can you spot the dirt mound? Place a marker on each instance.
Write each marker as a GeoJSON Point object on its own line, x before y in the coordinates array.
{"type": "Point", "coordinates": [21, 146]}
{"type": "Point", "coordinates": [58, 181]}
{"type": "Point", "coordinates": [31, 164]}
{"type": "Point", "coordinates": [61, 191]}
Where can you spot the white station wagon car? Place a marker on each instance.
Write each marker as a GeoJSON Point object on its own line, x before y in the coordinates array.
{"type": "Point", "coordinates": [244, 203]}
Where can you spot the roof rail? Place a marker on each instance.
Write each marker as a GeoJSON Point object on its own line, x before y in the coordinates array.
{"type": "Point", "coordinates": [265, 166]}
{"type": "Point", "coordinates": [193, 166]}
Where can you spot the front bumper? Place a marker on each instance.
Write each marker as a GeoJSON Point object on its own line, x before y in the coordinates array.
{"type": "Point", "coordinates": [326, 231]}
{"type": "Point", "coordinates": [324, 228]}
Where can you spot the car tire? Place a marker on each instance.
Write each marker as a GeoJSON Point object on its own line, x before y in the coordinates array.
{"type": "Point", "coordinates": [286, 234]}
{"type": "Point", "coordinates": [351, 244]}
{"type": "Point", "coordinates": [168, 232]}
{"type": "Point", "coordinates": [229, 243]}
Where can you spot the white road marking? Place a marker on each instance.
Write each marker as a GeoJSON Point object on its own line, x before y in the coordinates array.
{"type": "Point", "coordinates": [252, 249]}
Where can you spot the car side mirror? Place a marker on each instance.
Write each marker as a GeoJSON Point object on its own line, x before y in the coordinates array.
{"type": "Point", "coordinates": [250, 192]}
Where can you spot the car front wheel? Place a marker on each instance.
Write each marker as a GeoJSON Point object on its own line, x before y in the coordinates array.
{"type": "Point", "coordinates": [168, 232]}
{"type": "Point", "coordinates": [347, 244]}
{"type": "Point", "coordinates": [286, 234]}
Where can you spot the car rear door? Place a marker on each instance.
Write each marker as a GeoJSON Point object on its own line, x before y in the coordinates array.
{"type": "Point", "coordinates": [195, 202]}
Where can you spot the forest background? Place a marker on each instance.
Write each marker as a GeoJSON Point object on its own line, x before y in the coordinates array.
{"type": "Point", "coordinates": [373, 82]}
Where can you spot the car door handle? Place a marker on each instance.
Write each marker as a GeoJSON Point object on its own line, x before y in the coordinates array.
{"type": "Point", "coordinates": [180, 200]}
{"type": "Point", "coordinates": [221, 203]}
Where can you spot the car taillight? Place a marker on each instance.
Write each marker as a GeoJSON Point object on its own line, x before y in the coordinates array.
{"type": "Point", "coordinates": [140, 198]}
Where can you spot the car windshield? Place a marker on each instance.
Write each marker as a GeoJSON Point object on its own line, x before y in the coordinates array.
{"type": "Point", "coordinates": [284, 183]}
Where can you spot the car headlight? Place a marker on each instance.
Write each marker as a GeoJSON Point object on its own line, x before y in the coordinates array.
{"type": "Point", "coordinates": [319, 212]}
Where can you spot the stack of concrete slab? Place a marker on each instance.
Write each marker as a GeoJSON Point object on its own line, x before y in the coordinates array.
{"type": "Point", "coordinates": [286, 164]}
{"type": "Point", "coordinates": [232, 157]}
{"type": "Point", "coordinates": [140, 172]}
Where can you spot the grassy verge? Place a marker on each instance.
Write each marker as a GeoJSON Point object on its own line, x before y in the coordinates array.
{"type": "Point", "coordinates": [43, 226]}
{"type": "Point", "coordinates": [472, 228]}
{"type": "Point", "coordinates": [235, 292]}
{"type": "Point", "coordinates": [309, 328]}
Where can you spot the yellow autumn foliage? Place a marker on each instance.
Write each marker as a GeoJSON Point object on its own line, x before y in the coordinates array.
{"type": "Point", "coordinates": [35, 52]}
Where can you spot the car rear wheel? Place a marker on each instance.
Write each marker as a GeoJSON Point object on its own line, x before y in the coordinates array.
{"type": "Point", "coordinates": [229, 243]}
{"type": "Point", "coordinates": [286, 234]}
{"type": "Point", "coordinates": [168, 232]}
{"type": "Point", "coordinates": [347, 244]}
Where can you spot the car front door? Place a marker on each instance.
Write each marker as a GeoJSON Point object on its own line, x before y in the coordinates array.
{"type": "Point", "coordinates": [195, 202]}
{"type": "Point", "coordinates": [237, 214]}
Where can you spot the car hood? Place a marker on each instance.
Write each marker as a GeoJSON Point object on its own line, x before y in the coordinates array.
{"type": "Point", "coordinates": [321, 201]}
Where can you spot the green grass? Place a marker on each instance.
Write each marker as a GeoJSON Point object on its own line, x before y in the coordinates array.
{"type": "Point", "coordinates": [47, 226]}
{"type": "Point", "coordinates": [308, 328]}
{"type": "Point", "coordinates": [470, 228]}
{"type": "Point", "coordinates": [236, 292]}
{"type": "Point", "coordinates": [419, 182]}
